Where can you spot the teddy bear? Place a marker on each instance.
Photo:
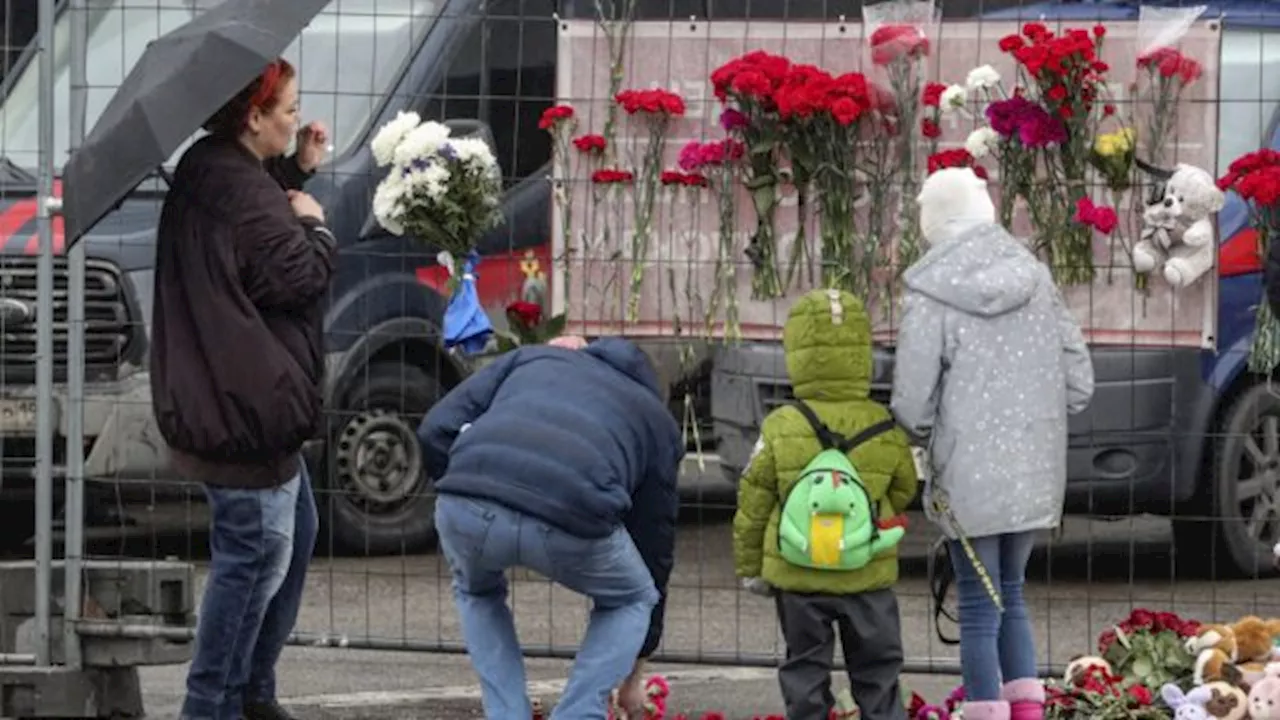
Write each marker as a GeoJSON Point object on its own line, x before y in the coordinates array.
{"type": "Point", "coordinates": [1226, 701]}
{"type": "Point", "coordinates": [1255, 647]}
{"type": "Point", "coordinates": [1177, 224]}
{"type": "Point", "coordinates": [1236, 653]}
{"type": "Point", "coordinates": [1264, 696]}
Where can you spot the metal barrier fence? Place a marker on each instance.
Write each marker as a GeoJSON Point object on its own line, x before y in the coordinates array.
{"type": "Point", "coordinates": [1177, 428]}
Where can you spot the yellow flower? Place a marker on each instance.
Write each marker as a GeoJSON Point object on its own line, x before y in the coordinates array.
{"type": "Point", "coordinates": [1116, 143]}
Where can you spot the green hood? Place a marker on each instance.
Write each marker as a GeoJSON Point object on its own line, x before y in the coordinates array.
{"type": "Point", "coordinates": [827, 340]}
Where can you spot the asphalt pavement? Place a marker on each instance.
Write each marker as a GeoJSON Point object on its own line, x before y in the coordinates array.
{"type": "Point", "coordinates": [1081, 580]}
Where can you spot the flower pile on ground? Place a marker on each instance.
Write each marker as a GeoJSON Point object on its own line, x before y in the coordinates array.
{"type": "Point", "coordinates": [1098, 694]}
{"type": "Point", "coordinates": [1148, 648]}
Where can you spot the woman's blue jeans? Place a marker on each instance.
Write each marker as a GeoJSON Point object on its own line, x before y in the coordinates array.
{"type": "Point", "coordinates": [995, 647]}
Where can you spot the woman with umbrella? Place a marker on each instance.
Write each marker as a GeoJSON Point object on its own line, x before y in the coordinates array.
{"type": "Point", "coordinates": [244, 259]}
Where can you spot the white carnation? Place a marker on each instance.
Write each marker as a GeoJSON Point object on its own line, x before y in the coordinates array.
{"type": "Point", "coordinates": [984, 77]}
{"type": "Point", "coordinates": [474, 151]}
{"type": "Point", "coordinates": [953, 98]}
{"type": "Point", "coordinates": [433, 180]}
{"type": "Point", "coordinates": [385, 142]}
{"type": "Point", "coordinates": [420, 142]}
{"type": "Point", "coordinates": [387, 203]}
{"type": "Point", "coordinates": [981, 141]}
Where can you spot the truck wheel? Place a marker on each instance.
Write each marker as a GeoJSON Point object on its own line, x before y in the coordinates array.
{"type": "Point", "coordinates": [1239, 502]}
{"type": "Point", "coordinates": [380, 501]}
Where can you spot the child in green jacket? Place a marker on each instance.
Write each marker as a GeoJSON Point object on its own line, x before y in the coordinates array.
{"type": "Point", "coordinates": [827, 340]}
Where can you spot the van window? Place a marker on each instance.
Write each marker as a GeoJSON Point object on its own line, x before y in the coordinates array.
{"type": "Point", "coordinates": [347, 59]}
{"type": "Point", "coordinates": [1249, 88]}
{"type": "Point", "coordinates": [504, 74]}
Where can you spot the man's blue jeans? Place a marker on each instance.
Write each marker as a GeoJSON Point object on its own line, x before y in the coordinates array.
{"type": "Point", "coordinates": [481, 540]}
{"type": "Point", "coordinates": [261, 542]}
{"type": "Point", "coordinates": [994, 647]}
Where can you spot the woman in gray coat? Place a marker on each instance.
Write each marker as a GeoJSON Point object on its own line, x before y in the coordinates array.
{"type": "Point", "coordinates": [989, 365]}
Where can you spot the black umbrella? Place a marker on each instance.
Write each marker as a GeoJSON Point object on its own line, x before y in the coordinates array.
{"type": "Point", "coordinates": [181, 79]}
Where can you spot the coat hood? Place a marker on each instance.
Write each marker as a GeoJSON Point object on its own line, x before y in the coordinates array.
{"type": "Point", "coordinates": [827, 340]}
{"type": "Point", "coordinates": [978, 270]}
{"type": "Point", "coordinates": [623, 356]}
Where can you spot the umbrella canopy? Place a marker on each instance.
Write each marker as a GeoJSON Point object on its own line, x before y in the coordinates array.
{"type": "Point", "coordinates": [466, 324]}
{"type": "Point", "coordinates": [181, 79]}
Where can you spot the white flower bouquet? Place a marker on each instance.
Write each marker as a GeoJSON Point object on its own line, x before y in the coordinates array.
{"type": "Point", "coordinates": [443, 190]}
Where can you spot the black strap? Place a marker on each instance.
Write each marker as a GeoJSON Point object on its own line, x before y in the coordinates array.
{"type": "Point", "coordinates": [831, 439]}
{"type": "Point", "coordinates": [876, 430]}
{"type": "Point", "coordinates": [941, 576]}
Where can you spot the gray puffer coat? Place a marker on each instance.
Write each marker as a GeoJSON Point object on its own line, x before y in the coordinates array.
{"type": "Point", "coordinates": [989, 364]}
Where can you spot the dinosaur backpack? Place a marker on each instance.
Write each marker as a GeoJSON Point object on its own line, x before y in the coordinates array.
{"type": "Point", "coordinates": [828, 519]}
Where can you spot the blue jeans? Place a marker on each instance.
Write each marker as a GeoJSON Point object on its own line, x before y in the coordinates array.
{"type": "Point", "coordinates": [994, 647]}
{"type": "Point", "coordinates": [481, 540]}
{"type": "Point", "coordinates": [261, 542]}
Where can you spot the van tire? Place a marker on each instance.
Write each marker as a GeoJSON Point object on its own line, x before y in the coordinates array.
{"type": "Point", "coordinates": [377, 499]}
{"type": "Point", "coordinates": [1211, 534]}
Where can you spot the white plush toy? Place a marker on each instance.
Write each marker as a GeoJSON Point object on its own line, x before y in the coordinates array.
{"type": "Point", "coordinates": [1177, 225]}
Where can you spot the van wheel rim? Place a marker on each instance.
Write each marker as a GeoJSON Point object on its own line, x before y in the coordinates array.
{"type": "Point", "coordinates": [1257, 480]}
{"type": "Point", "coordinates": [379, 463]}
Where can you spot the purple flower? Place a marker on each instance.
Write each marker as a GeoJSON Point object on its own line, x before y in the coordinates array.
{"type": "Point", "coordinates": [447, 152]}
{"type": "Point", "coordinates": [1040, 129]}
{"type": "Point", "coordinates": [1006, 116]}
{"type": "Point", "coordinates": [732, 119]}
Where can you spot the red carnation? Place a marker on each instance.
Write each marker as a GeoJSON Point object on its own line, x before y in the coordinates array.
{"type": "Point", "coordinates": [892, 42]}
{"type": "Point", "coordinates": [751, 84]}
{"type": "Point", "coordinates": [1009, 43]}
{"type": "Point", "coordinates": [930, 129]}
{"type": "Point", "coordinates": [554, 115]}
{"type": "Point", "coordinates": [675, 177]}
{"type": "Point", "coordinates": [528, 314]}
{"type": "Point", "coordinates": [1036, 31]}
{"type": "Point", "coordinates": [654, 102]}
{"type": "Point", "coordinates": [612, 176]}
{"type": "Point", "coordinates": [1140, 694]}
{"type": "Point", "coordinates": [590, 143]}
{"type": "Point", "coordinates": [932, 95]}
{"type": "Point", "coordinates": [955, 158]}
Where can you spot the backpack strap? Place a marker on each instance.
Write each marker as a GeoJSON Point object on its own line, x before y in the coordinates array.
{"type": "Point", "coordinates": [833, 440]}
{"type": "Point", "coordinates": [825, 435]}
{"type": "Point", "coordinates": [848, 445]}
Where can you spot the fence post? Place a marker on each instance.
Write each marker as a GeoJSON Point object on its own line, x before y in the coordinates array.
{"type": "Point", "coordinates": [74, 538]}
{"type": "Point", "coordinates": [44, 337]}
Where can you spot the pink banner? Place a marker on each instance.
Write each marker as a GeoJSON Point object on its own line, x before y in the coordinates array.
{"type": "Point", "coordinates": [593, 281]}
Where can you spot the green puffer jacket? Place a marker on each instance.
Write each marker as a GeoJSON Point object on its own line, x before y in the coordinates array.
{"type": "Point", "coordinates": [829, 365]}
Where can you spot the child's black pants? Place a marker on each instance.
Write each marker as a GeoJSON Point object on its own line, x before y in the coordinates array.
{"type": "Point", "coordinates": [870, 634]}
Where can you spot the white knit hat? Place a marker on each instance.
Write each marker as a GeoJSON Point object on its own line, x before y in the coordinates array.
{"type": "Point", "coordinates": [953, 196]}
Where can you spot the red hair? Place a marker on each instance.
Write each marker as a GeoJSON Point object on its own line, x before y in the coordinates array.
{"type": "Point", "coordinates": [263, 94]}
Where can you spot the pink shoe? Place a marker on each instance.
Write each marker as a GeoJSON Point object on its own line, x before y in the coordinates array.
{"type": "Point", "coordinates": [992, 710]}
{"type": "Point", "coordinates": [1026, 699]}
